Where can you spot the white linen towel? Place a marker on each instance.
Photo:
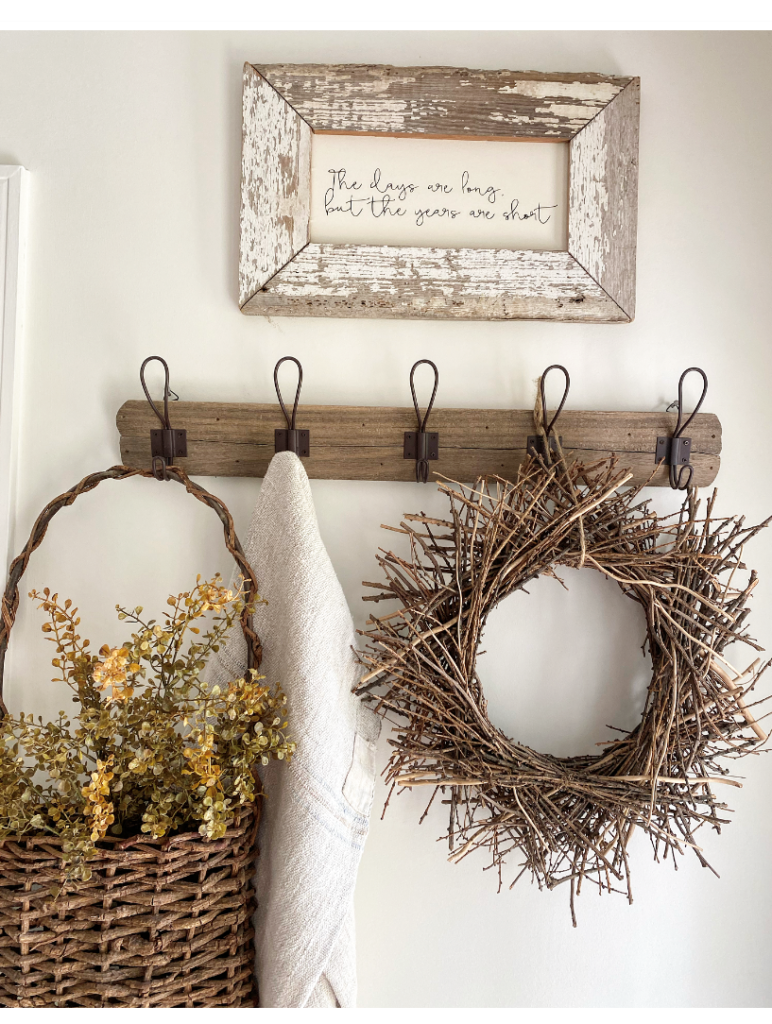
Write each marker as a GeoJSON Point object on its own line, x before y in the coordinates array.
{"type": "Point", "coordinates": [316, 814]}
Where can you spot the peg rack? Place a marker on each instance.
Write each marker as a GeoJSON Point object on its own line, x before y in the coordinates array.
{"type": "Point", "coordinates": [366, 443]}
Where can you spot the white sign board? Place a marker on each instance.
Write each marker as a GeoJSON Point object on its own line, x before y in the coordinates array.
{"type": "Point", "coordinates": [445, 193]}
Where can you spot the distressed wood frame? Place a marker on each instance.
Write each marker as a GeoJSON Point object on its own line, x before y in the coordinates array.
{"type": "Point", "coordinates": [13, 195]}
{"type": "Point", "coordinates": [281, 272]}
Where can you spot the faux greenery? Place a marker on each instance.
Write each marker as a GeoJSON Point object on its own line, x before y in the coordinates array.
{"type": "Point", "coordinates": [153, 748]}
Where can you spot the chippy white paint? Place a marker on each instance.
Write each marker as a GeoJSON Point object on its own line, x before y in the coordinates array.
{"type": "Point", "coordinates": [275, 171]}
{"type": "Point", "coordinates": [576, 115]}
{"type": "Point", "coordinates": [454, 284]}
{"type": "Point", "coordinates": [13, 192]}
{"type": "Point", "coordinates": [439, 100]}
{"type": "Point", "coordinates": [600, 92]}
{"type": "Point", "coordinates": [603, 223]}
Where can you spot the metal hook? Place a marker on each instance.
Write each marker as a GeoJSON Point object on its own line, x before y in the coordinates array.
{"type": "Point", "coordinates": [676, 450]}
{"type": "Point", "coordinates": [692, 369]}
{"type": "Point", "coordinates": [535, 444]}
{"type": "Point", "coordinates": [553, 421]}
{"type": "Point", "coordinates": [165, 418]}
{"type": "Point", "coordinates": [419, 444]}
{"type": "Point", "coordinates": [428, 362]}
{"type": "Point", "coordinates": [290, 439]}
{"type": "Point", "coordinates": [165, 444]}
{"type": "Point", "coordinates": [292, 359]}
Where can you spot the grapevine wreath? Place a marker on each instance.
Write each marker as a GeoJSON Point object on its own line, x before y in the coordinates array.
{"type": "Point", "coordinates": [570, 818]}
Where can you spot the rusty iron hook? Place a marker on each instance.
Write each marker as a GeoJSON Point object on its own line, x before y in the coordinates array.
{"type": "Point", "coordinates": [677, 467]}
{"type": "Point", "coordinates": [555, 366]}
{"type": "Point", "coordinates": [166, 442]}
{"type": "Point", "coordinates": [425, 446]}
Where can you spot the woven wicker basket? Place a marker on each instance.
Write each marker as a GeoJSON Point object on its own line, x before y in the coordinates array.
{"type": "Point", "coordinates": [160, 922]}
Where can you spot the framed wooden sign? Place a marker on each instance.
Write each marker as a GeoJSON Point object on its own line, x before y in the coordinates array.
{"type": "Point", "coordinates": [429, 192]}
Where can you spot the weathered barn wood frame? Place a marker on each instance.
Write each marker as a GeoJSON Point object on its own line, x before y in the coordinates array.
{"type": "Point", "coordinates": [366, 443]}
{"type": "Point", "coordinates": [281, 272]}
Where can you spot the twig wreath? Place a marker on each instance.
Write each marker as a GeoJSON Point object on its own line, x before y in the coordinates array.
{"type": "Point", "coordinates": [571, 818]}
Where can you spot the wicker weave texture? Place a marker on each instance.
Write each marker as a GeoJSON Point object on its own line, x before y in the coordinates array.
{"type": "Point", "coordinates": [160, 923]}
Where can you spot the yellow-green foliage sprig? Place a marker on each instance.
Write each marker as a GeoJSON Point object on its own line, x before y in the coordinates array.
{"type": "Point", "coordinates": [153, 747]}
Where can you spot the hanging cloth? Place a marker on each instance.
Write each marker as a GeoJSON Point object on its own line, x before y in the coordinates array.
{"type": "Point", "coordinates": [316, 813]}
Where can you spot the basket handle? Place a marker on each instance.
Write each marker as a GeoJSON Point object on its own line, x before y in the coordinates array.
{"type": "Point", "coordinates": [10, 600]}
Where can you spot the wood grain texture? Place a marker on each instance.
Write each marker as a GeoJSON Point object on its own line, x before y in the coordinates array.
{"type": "Point", "coordinates": [453, 284]}
{"type": "Point", "coordinates": [275, 184]}
{"type": "Point", "coordinates": [365, 443]}
{"type": "Point", "coordinates": [603, 197]}
{"type": "Point", "coordinates": [442, 101]}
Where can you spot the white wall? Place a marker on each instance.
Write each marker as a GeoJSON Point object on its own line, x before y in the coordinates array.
{"type": "Point", "coordinates": [133, 144]}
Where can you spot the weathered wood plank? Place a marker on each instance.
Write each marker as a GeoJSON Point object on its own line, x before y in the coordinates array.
{"type": "Point", "coordinates": [453, 284]}
{"type": "Point", "coordinates": [442, 101]}
{"type": "Point", "coordinates": [377, 425]}
{"type": "Point", "coordinates": [364, 443]}
{"type": "Point", "coordinates": [275, 184]}
{"type": "Point", "coordinates": [603, 197]}
{"type": "Point", "coordinates": [338, 462]}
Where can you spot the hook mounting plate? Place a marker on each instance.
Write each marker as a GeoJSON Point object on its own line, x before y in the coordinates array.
{"type": "Point", "coordinates": [169, 444]}
{"type": "Point", "coordinates": [673, 451]}
{"type": "Point", "coordinates": [297, 441]}
{"type": "Point", "coordinates": [535, 445]}
{"type": "Point", "coordinates": [421, 445]}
